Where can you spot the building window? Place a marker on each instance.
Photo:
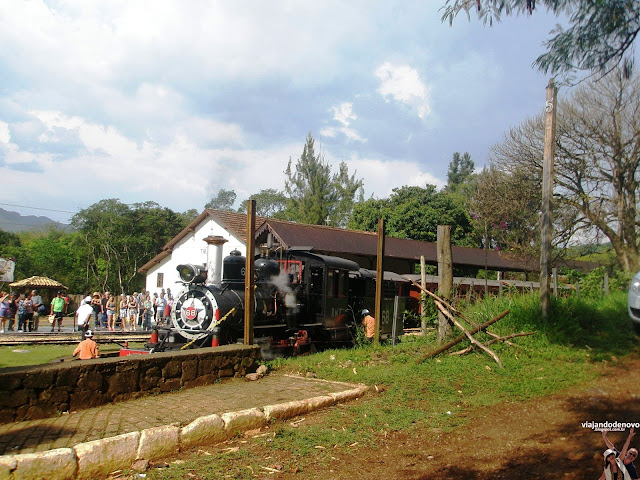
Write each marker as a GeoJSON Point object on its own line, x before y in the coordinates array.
{"type": "Point", "coordinates": [160, 280]}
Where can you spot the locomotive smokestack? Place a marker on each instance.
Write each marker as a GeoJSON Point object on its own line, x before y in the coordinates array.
{"type": "Point", "coordinates": [214, 259]}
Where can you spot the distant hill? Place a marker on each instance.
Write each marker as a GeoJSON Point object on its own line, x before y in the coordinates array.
{"type": "Point", "coordinates": [15, 223]}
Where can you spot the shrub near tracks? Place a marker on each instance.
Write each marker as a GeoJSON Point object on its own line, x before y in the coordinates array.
{"type": "Point", "coordinates": [438, 393]}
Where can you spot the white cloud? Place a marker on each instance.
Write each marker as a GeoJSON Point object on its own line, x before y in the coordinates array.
{"type": "Point", "coordinates": [5, 135]}
{"type": "Point", "coordinates": [187, 97]}
{"type": "Point", "coordinates": [343, 114]}
{"type": "Point", "coordinates": [403, 84]}
{"type": "Point", "coordinates": [381, 177]}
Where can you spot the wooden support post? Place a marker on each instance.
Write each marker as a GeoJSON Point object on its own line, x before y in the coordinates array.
{"type": "Point", "coordinates": [606, 283]}
{"type": "Point", "coordinates": [554, 280]}
{"type": "Point", "coordinates": [547, 194]}
{"type": "Point", "coordinates": [423, 296]}
{"type": "Point", "coordinates": [445, 272]}
{"type": "Point", "coordinates": [379, 279]}
{"type": "Point", "coordinates": [249, 269]}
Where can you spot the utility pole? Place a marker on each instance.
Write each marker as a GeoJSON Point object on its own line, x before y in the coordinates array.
{"type": "Point", "coordinates": [379, 280]}
{"type": "Point", "coordinates": [249, 269]}
{"type": "Point", "coordinates": [547, 194]}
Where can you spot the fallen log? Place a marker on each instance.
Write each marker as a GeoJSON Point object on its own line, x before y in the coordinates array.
{"type": "Point", "coordinates": [457, 340]}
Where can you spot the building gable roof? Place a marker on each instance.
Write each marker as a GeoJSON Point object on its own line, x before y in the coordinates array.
{"type": "Point", "coordinates": [233, 222]}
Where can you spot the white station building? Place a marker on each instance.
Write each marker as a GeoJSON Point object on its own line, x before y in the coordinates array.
{"type": "Point", "coordinates": [209, 238]}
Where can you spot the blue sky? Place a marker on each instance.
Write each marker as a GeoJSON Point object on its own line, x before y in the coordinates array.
{"type": "Point", "coordinates": [169, 101]}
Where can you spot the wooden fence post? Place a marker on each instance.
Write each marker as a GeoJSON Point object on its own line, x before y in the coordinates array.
{"type": "Point", "coordinates": [445, 272]}
{"type": "Point", "coordinates": [423, 296]}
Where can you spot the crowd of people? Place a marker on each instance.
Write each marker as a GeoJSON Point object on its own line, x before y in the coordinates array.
{"type": "Point", "coordinates": [139, 311]}
{"type": "Point", "coordinates": [128, 313]}
{"type": "Point", "coordinates": [28, 308]}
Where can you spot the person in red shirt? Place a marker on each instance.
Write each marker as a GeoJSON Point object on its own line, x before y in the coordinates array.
{"type": "Point", "coordinates": [88, 348]}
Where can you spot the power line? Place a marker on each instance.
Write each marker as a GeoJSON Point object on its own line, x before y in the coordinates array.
{"type": "Point", "coordinates": [35, 208]}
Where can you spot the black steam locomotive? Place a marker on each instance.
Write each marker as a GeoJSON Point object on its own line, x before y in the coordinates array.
{"type": "Point", "coordinates": [303, 301]}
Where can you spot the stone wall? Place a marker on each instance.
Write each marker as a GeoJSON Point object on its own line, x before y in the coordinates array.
{"type": "Point", "coordinates": [28, 393]}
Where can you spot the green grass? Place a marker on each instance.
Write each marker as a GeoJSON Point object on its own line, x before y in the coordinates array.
{"type": "Point", "coordinates": [22, 355]}
{"type": "Point", "coordinates": [568, 349]}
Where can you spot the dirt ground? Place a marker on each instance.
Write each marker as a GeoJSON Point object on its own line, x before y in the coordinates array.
{"type": "Point", "coordinates": [542, 438]}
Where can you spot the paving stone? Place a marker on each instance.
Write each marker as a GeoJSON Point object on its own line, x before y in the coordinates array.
{"type": "Point", "coordinates": [158, 442]}
{"type": "Point", "coordinates": [57, 464]}
{"type": "Point", "coordinates": [7, 464]}
{"type": "Point", "coordinates": [203, 430]}
{"type": "Point", "coordinates": [243, 420]}
{"type": "Point", "coordinates": [201, 422]}
{"type": "Point", "coordinates": [106, 455]}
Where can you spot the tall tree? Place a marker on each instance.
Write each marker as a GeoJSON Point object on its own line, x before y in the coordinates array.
{"type": "Point", "coordinates": [460, 171]}
{"type": "Point", "coordinates": [597, 162]}
{"type": "Point", "coordinates": [120, 238]}
{"type": "Point", "coordinates": [600, 35]}
{"type": "Point", "coordinates": [55, 254]}
{"type": "Point", "coordinates": [415, 213]}
{"type": "Point", "coordinates": [505, 209]}
{"type": "Point", "coordinates": [223, 200]}
{"type": "Point", "coordinates": [269, 203]}
{"type": "Point", "coordinates": [315, 196]}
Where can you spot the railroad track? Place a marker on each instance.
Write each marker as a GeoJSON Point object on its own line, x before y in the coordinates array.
{"type": "Point", "coordinates": [43, 338]}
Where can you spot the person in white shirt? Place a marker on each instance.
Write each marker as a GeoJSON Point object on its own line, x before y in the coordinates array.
{"type": "Point", "coordinates": [83, 314]}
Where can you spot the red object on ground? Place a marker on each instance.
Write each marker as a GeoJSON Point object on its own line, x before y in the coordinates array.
{"type": "Point", "coordinates": [128, 351]}
{"type": "Point", "coordinates": [154, 336]}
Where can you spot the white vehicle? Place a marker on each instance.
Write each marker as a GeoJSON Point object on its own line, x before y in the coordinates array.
{"type": "Point", "coordinates": [633, 301]}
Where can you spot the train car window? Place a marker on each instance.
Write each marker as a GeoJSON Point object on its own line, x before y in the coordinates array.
{"type": "Point", "coordinates": [293, 269]}
{"type": "Point", "coordinates": [342, 284]}
{"type": "Point", "coordinates": [336, 284]}
{"type": "Point", "coordinates": [316, 291]}
{"type": "Point", "coordinates": [331, 284]}
{"type": "Point", "coordinates": [388, 289]}
{"type": "Point", "coordinates": [370, 288]}
{"type": "Point", "coordinates": [317, 274]}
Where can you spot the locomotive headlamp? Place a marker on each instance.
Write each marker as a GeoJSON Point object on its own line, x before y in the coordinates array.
{"type": "Point", "coordinates": [191, 273]}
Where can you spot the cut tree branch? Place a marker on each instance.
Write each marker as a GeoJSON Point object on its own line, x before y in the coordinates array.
{"type": "Point", "coordinates": [457, 340]}
{"type": "Point", "coordinates": [469, 336]}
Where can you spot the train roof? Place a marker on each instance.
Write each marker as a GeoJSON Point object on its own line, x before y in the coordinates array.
{"type": "Point", "coordinates": [330, 261]}
{"type": "Point", "coordinates": [390, 276]}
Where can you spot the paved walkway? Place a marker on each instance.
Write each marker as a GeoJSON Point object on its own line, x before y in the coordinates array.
{"type": "Point", "coordinates": [180, 408]}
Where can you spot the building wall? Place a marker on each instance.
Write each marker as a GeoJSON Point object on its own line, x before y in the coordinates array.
{"type": "Point", "coordinates": [191, 249]}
